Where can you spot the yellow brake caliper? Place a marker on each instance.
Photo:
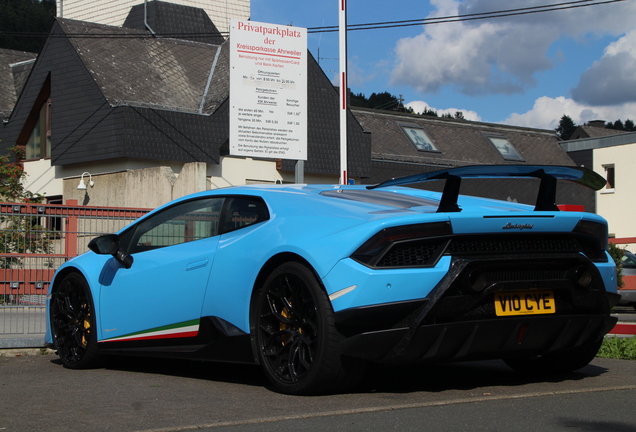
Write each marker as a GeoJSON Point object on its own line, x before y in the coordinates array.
{"type": "Point", "coordinates": [285, 338]}
{"type": "Point", "coordinates": [87, 326]}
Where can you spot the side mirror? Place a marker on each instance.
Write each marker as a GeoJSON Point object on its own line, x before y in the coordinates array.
{"type": "Point", "coordinates": [105, 245]}
{"type": "Point", "coordinates": [108, 244]}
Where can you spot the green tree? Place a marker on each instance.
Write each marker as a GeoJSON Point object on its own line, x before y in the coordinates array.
{"type": "Point", "coordinates": [566, 127]}
{"type": "Point", "coordinates": [24, 24]}
{"type": "Point", "coordinates": [359, 100]}
{"type": "Point", "coordinates": [19, 233]}
{"type": "Point", "coordinates": [617, 254]}
{"type": "Point", "coordinates": [629, 125]}
{"type": "Point", "coordinates": [383, 101]}
{"type": "Point", "coordinates": [429, 112]}
{"type": "Point", "coordinates": [617, 125]}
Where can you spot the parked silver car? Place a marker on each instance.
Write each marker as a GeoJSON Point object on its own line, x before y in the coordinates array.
{"type": "Point", "coordinates": [628, 292]}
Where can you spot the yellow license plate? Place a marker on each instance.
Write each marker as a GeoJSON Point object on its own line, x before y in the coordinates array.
{"type": "Point", "coordinates": [524, 303]}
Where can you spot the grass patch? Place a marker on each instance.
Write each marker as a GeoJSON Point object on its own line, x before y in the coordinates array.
{"type": "Point", "coordinates": [618, 348]}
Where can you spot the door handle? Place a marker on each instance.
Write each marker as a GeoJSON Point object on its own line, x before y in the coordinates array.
{"type": "Point", "coordinates": [197, 264]}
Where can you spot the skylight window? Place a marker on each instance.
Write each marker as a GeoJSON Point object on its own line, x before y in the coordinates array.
{"type": "Point", "coordinates": [505, 148]}
{"type": "Point", "coordinates": [418, 137]}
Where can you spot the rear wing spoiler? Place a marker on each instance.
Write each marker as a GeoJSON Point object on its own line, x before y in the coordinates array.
{"type": "Point", "coordinates": [548, 174]}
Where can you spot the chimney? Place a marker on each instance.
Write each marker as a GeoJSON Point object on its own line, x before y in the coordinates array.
{"type": "Point", "coordinates": [597, 123]}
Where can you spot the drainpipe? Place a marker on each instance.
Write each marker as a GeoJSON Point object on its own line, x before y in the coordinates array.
{"type": "Point", "coordinates": [146, 18]}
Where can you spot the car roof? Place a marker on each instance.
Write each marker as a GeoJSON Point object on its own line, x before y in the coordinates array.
{"type": "Point", "coordinates": [324, 196]}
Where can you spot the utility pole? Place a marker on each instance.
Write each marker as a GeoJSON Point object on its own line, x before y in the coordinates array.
{"type": "Point", "coordinates": [342, 6]}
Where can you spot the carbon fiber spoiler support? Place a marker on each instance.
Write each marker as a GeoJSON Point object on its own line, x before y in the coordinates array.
{"type": "Point", "coordinates": [548, 174]}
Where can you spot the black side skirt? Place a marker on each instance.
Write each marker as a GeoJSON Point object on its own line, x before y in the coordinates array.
{"type": "Point", "coordinates": [217, 340]}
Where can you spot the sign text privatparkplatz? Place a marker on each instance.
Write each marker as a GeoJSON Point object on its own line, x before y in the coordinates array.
{"type": "Point", "coordinates": [268, 90]}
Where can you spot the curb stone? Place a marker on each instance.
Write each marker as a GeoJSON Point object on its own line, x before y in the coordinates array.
{"type": "Point", "coordinates": [19, 352]}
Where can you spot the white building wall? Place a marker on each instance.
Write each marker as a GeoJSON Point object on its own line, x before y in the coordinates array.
{"type": "Point", "coordinates": [233, 171]}
{"type": "Point", "coordinates": [149, 184]}
{"type": "Point", "coordinates": [140, 188]}
{"type": "Point", "coordinates": [40, 178]}
{"type": "Point", "coordinates": [615, 204]}
{"type": "Point", "coordinates": [236, 171]}
{"type": "Point", "coordinates": [114, 12]}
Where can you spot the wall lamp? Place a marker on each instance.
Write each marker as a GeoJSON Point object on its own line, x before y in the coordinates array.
{"type": "Point", "coordinates": [82, 185]}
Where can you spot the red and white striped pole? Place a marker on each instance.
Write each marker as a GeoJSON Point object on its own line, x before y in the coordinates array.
{"type": "Point", "coordinates": [343, 89]}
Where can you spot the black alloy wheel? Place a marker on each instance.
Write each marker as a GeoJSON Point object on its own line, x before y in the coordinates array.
{"type": "Point", "coordinates": [73, 323]}
{"type": "Point", "coordinates": [296, 339]}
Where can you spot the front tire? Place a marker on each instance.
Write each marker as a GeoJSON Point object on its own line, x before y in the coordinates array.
{"type": "Point", "coordinates": [556, 363]}
{"type": "Point", "coordinates": [296, 338]}
{"type": "Point", "coordinates": [73, 323]}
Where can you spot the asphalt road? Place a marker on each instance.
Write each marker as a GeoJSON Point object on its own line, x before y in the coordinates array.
{"type": "Point", "coordinates": [38, 394]}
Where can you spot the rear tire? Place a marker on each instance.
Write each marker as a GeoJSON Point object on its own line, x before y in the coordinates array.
{"type": "Point", "coordinates": [73, 323]}
{"type": "Point", "coordinates": [295, 334]}
{"type": "Point", "coordinates": [556, 363]}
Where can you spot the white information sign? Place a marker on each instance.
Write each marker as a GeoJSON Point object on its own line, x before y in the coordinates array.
{"type": "Point", "coordinates": [268, 90]}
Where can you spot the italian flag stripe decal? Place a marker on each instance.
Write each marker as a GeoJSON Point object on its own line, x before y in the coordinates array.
{"type": "Point", "coordinates": [179, 330]}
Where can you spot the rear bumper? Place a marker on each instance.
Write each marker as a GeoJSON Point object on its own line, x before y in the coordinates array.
{"type": "Point", "coordinates": [458, 320]}
{"type": "Point", "coordinates": [483, 339]}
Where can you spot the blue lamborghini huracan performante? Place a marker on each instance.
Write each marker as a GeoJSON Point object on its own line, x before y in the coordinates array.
{"type": "Point", "coordinates": [313, 282]}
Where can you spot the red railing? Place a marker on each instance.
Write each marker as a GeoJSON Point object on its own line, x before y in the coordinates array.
{"type": "Point", "coordinates": [38, 238]}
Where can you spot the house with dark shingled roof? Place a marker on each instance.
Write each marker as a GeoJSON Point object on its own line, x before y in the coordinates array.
{"type": "Point", "coordinates": [406, 144]}
{"type": "Point", "coordinates": [147, 116]}
{"type": "Point", "coordinates": [594, 129]}
{"type": "Point", "coordinates": [14, 70]}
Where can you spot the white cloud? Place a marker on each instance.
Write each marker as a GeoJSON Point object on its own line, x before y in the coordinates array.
{"type": "Point", "coordinates": [546, 113]}
{"type": "Point", "coordinates": [610, 80]}
{"type": "Point", "coordinates": [421, 106]}
{"type": "Point", "coordinates": [496, 56]}
{"type": "Point", "coordinates": [356, 74]}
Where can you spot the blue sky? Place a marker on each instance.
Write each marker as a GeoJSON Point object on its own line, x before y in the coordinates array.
{"type": "Point", "coordinates": [524, 70]}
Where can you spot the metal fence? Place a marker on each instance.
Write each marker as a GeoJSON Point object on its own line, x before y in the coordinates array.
{"type": "Point", "coordinates": [35, 239]}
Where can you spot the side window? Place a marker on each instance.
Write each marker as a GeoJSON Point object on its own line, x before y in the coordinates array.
{"type": "Point", "coordinates": [182, 223]}
{"type": "Point", "coordinates": [243, 211]}
{"type": "Point", "coordinates": [610, 176]}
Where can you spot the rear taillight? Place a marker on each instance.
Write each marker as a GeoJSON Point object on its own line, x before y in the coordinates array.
{"type": "Point", "coordinates": [415, 245]}
{"type": "Point", "coordinates": [594, 229]}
